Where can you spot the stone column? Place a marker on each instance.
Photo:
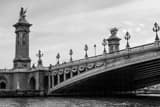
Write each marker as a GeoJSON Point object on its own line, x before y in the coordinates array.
{"type": "Point", "coordinates": [78, 72]}
{"type": "Point", "coordinates": [71, 74]}
{"type": "Point", "coordinates": [58, 77]}
{"type": "Point", "coordinates": [22, 59]}
{"type": "Point", "coordinates": [64, 75]}
{"type": "Point", "coordinates": [49, 81]}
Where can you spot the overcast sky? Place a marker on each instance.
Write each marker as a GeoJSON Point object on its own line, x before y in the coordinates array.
{"type": "Point", "coordinates": [60, 25]}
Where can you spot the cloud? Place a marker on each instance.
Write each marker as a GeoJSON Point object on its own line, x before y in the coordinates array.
{"type": "Point", "coordinates": [75, 30]}
{"type": "Point", "coordinates": [61, 25]}
{"type": "Point", "coordinates": [138, 29]}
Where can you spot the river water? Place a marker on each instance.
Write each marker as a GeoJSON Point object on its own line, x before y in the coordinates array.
{"type": "Point", "coordinates": [77, 102]}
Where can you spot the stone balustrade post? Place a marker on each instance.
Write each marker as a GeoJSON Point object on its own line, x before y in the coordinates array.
{"type": "Point", "coordinates": [58, 77]}
{"type": "Point", "coordinates": [78, 72]}
{"type": "Point", "coordinates": [64, 75]}
{"type": "Point", "coordinates": [71, 74]}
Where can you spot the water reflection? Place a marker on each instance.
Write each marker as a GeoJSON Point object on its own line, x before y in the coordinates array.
{"type": "Point", "coordinates": [74, 102]}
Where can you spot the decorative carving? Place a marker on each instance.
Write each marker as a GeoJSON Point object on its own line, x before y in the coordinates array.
{"type": "Point", "coordinates": [67, 70]}
{"type": "Point", "coordinates": [55, 72]}
{"type": "Point", "coordinates": [82, 67]}
{"type": "Point", "coordinates": [74, 69]}
{"type": "Point", "coordinates": [99, 64]}
{"type": "Point", "coordinates": [114, 31]}
{"type": "Point", "coordinates": [90, 66]}
{"type": "Point", "coordinates": [60, 72]}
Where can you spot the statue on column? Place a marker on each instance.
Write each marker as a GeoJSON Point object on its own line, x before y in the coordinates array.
{"type": "Point", "coordinates": [114, 31]}
{"type": "Point", "coordinates": [22, 14]}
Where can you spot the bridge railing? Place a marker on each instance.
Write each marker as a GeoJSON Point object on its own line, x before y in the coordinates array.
{"type": "Point", "coordinates": [105, 56]}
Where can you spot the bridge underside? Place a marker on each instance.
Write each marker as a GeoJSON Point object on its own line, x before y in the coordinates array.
{"type": "Point", "coordinates": [124, 79]}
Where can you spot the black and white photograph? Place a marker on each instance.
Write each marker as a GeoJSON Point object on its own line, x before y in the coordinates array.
{"type": "Point", "coordinates": [80, 53]}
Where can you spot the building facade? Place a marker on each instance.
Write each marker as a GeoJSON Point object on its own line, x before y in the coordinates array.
{"type": "Point", "coordinates": [22, 77]}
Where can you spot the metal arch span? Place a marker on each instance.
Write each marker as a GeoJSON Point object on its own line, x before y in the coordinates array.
{"type": "Point", "coordinates": [125, 75]}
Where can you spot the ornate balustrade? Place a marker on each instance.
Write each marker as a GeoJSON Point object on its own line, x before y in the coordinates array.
{"type": "Point", "coordinates": [108, 56]}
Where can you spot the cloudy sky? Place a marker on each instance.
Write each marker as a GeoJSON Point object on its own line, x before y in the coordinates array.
{"type": "Point", "coordinates": [60, 25]}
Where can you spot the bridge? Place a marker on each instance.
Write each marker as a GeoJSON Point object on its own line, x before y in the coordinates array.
{"type": "Point", "coordinates": [124, 70]}
{"type": "Point", "coordinates": [114, 71]}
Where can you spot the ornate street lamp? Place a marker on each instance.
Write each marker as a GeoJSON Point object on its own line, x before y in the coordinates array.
{"type": "Point", "coordinates": [58, 57]}
{"type": "Point", "coordinates": [70, 53]}
{"type": "Point", "coordinates": [86, 49]}
{"type": "Point", "coordinates": [94, 49]}
{"type": "Point", "coordinates": [50, 67]}
{"type": "Point", "coordinates": [127, 37]}
{"type": "Point", "coordinates": [39, 55]}
{"type": "Point", "coordinates": [156, 28]}
{"type": "Point", "coordinates": [33, 66]}
{"type": "Point", "coordinates": [104, 43]}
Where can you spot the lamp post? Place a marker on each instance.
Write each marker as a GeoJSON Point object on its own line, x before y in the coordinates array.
{"type": "Point", "coordinates": [104, 43]}
{"type": "Point", "coordinates": [71, 53]}
{"type": "Point", "coordinates": [39, 55]}
{"type": "Point", "coordinates": [86, 49]}
{"type": "Point", "coordinates": [156, 28]}
{"type": "Point", "coordinates": [95, 49]}
{"type": "Point", "coordinates": [58, 57]}
{"type": "Point", "coordinates": [50, 67]}
{"type": "Point", "coordinates": [127, 37]}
